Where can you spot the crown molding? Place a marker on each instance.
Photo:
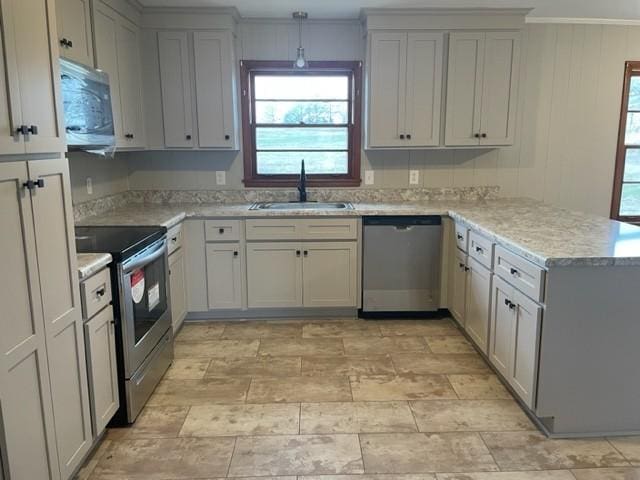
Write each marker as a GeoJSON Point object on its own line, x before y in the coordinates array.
{"type": "Point", "coordinates": [583, 21]}
{"type": "Point", "coordinates": [291, 21]}
{"type": "Point", "coordinates": [444, 11]}
{"type": "Point", "coordinates": [231, 11]}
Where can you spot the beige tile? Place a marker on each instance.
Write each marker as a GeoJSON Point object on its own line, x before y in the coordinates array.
{"type": "Point", "coordinates": [423, 476]}
{"type": "Point", "coordinates": [348, 365]}
{"type": "Point", "coordinates": [347, 328]}
{"type": "Point", "coordinates": [423, 453]}
{"type": "Point", "coordinates": [262, 366]}
{"type": "Point", "coordinates": [533, 451]}
{"type": "Point", "coordinates": [478, 387]}
{"type": "Point", "coordinates": [419, 328]}
{"type": "Point", "coordinates": [299, 389]}
{"type": "Point", "coordinates": [230, 420]}
{"type": "Point", "coordinates": [470, 416]}
{"type": "Point", "coordinates": [432, 364]}
{"type": "Point", "coordinates": [379, 345]}
{"type": "Point", "coordinates": [197, 332]}
{"type": "Point", "coordinates": [262, 329]}
{"type": "Point", "coordinates": [401, 387]}
{"type": "Point", "coordinates": [629, 447]}
{"type": "Point", "coordinates": [200, 392]}
{"type": "Point", "coordinates": [159, 459]}
{"type": "Point", "coordinates": [296, 455]}
{"type": "Point", "coordinates": [157, 422]}
{"type": "Point", "coordinates": [187, 369]}
{"type": "Point", "coordinates": [536, 475]}
{"type": "Point", "coordinates": [449, 344]}
{"type": "Point", "coordinates": [90, 464]}
{"type": "Point", "coordinates": [216, 348]}
{"type": "Point", "coordinates": [301, 346]}
{"type": "Point", "coordinates": [607, 474]}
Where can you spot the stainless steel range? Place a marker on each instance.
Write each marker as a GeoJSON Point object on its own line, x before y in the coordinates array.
{"type": "Point", "coordinates": [139, 275]}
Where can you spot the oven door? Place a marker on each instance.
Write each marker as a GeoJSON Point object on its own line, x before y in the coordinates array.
{"type": "Point", "coordinates": [144, 303]}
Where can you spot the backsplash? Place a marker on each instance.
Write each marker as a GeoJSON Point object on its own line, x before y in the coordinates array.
{"type": "Point", "coordinates": [391, 195]}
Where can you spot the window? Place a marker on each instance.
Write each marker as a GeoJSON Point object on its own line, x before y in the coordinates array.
{"type": "Point", "coordinates": [293, 115]}
{"type": "Point", "coordinates": [626, 187]}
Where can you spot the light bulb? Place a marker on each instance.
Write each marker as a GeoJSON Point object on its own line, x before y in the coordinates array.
{"type": "Point", "coordinates": [300, 61]}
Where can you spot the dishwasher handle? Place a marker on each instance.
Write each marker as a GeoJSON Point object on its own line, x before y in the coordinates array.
{"type": "Point", "coordinates": [402, 222]}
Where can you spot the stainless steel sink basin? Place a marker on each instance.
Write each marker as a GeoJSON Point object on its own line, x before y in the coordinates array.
{"type": "Point", "coordinates": [301, 206]}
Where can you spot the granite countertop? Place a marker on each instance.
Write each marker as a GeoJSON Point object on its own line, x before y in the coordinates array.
{"type": "Point", "coordinates": [90, 263]}
{"type": "Point", "coordinates": [548, 236]}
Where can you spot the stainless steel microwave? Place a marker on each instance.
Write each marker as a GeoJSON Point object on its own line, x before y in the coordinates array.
{"type": "Point", "coordinates": [88, 116]}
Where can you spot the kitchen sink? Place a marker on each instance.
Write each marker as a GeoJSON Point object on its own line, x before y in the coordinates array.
{"type": "Point", "coordinates": [301, 206]}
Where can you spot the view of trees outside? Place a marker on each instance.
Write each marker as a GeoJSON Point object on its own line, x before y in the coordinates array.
{"type": "Point", "coordinates": [630, 202]}
{"type": "Point", "coordinates": [314, 114]}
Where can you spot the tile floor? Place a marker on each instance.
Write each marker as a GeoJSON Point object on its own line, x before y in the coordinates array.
{"type": "Point", "coordinates": [342, 399]}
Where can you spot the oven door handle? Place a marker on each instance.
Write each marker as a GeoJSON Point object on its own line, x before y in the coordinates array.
{"type": "Point", "coordinates": [145, 260]}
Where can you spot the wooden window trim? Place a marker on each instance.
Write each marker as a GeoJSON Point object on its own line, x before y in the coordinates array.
{"type": "Point", "coordinates": [631, 69]}
{"type": "Point", "coordinates": [251, 176]}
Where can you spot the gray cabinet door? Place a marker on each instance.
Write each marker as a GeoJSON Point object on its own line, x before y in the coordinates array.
{"type": "Point", "coordinates": [55, 244]}
{"type": "Point", "coordinates": [178, 289]}
{"type": "Point", "coordinates": [503, 321]}
{"type": "Point", "coordinates": [103, 371]}
{"type": "Point", "coordinates": [478, 301]}
{"type": "Point", "coordinates": [224, 275]}
{"type": "Point", "coordinates": [329, 272]}
{"type": "Point", "coordinates": [459, 285]}
{"type": "Point", "coordinates": [25, 401]}
{"type": "Point", "coordinates": [525, 348]}
{"type": "Point", "coordinates": [274, 275]}
{"type": "Point", "coordinates": [74, 25]}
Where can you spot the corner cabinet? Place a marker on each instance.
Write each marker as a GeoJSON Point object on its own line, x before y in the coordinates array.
{"type": "Point", "coordinates": [75, 37]}
{"type": "Point", "coordinates": [30, 106]}
{"type": "Point", "coordinates": [118, 54]}
{"type": "Point", "coordinates": [482, 85]}
{"type": "Point", "coordinates": [404, 89]}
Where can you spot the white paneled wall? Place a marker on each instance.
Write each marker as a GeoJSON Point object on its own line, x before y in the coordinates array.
{"type": "Point", "coordinates": [568, 118]}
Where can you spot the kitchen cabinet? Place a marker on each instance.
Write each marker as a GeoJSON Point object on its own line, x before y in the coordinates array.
{"type": "Point", "coordinates": [459, 284]}
{"type": "Point", "coordinates": [224, 275]}
{"type": "Point", "coordinates": [45, 403]}
{"type": "Point", "coordinates": [175, 81]}
{"type": "Point", "coordinates": [515, 329]}
{"type": "Point", "coordinates": [405, 84]}
{"type": "Point", "coordinates": [118, 54]}
{"type": "Point", "coordinates": [477, 303]}
{"type": "Point", "coordinates": [177, 288]}
{"type": "Point", "coordinates": [329, 274]}
{"type": "Point", "coordinates": [214, 80]}
{"type": "Point", "coordinates": [30, 107]}
{"type": "Point", "coordinates": [75, 38]}
{"type": "Point", "coordinates": [274, 275]}
{"type": "Point", "coordinates": [482, 86]}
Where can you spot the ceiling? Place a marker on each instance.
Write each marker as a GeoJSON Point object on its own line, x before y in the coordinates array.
{"type": "Point", "coordinates": [344, 9]}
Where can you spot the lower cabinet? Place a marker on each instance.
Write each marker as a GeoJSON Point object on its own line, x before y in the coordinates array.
{"type": "Point", "coordinates": [224, 275]}
{"type": "Point", "coordinates": [329, 276]}
{"type": "Point", "coordinates": [477, 301]}
{"type": "Point", "coordinates": [515, 327]}
{"type": "Point", "coordinates": [274, 275]}
{"type": "Point", "coordinates": [459, 285]}
{"type": "Point", "coordinates": [177, 288]}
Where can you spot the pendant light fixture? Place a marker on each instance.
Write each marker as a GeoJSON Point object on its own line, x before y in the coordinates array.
{"type": "Point", "coordinates": [300, 62]}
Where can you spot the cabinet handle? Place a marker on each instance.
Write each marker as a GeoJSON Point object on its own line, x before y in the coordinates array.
{"type": "Point", "coordinates": [402, 136]}
{"type": "Point", "coordinates": [513, 271]}
{"type": "Point", "coordinates": [33, 130]}
{"type": "Point", "coordinates": [29, 184]}
{"type": "Point", "coordinates": [297, 253]}
{"type": "Point", "coordinates": [22, 130]}
{"type": "Point", "coordinates": [227, 137]}
{"type": "Point", "coordinates": [221, 231]}
{"type": "Point", "coordinates": [479, 249]}
{"type": "Point", "coordinates": [235, 254]}
{"type": "Point", "coordinates": [509, 304]}
{"type": "Point", "coordinates": [66, 43]}
{"type": "Point", "coordinates": [466, 269]}
{"type": "Point", "coordinates": [461, 265]}
{"type": "Point", "coordinates": [174, 239]}
{"type": "Point", "coordinates": [306, 253]}
{"type": "Point", "coordinates": [40, 183]}
{"type": "Point", "coordinates": [101, 292]}
{"type": "Point", "coordinates": [460, 237]}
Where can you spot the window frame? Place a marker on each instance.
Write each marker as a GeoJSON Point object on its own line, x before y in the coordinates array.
{"type": "Point", "coordinates": [631, 69]}
{"type": "Point", "coordinates": [249, 69]}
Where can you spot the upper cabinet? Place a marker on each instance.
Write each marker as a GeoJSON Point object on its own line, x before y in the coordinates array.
{"type": "Point", "coordinates": [482, 88]}
{"type": "Point", "coordinates": [118, 54]}
{"type": "Point", "coordinates": [74, 30]}
{"type": "Point", "coordinates": [405, 84]}
{"type": "Point", "coordinates": [29, 92]}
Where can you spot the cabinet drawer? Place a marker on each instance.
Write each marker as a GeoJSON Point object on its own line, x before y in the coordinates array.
{"type": "Point", "coordinates": [330, 229]}
{"type": "Point", "coordinates": [222, 230]}
{"type": "Point", "coordinates": [462, 237]}
{"type": "Point", "coordinates": [522, 274]}
{"type": "Point", "coordinates": [95, 293]}
{"type": "Point", "coordinates": [174, 238]}
{"type": "Point", "coordinates": [481, 249]}
{"type": "Point", "coordinates": [275, 229]}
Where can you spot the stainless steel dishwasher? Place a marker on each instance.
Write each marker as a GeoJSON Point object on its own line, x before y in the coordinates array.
{"type": "Point", "coordinates": [401, 265]}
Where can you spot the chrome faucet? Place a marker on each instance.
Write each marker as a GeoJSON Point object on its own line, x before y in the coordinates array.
{"type": "Point", "coordinates": [302, 185]}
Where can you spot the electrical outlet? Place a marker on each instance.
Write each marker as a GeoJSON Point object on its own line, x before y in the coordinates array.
{"type": "Point", "coordinates": [414, 177]}
{"type": "Point", "coordinates": [89, 186]}
{"type": "Point", "coordinates": [221, 177]}
{"type": "Point", "coordinates": [368, 177]}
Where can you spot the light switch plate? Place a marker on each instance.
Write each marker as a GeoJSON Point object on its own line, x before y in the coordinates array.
{"type": "Point", "coordinates": [89, 186]}
{"type": "Point", "coordinates": [414, 177]}
{"type": "Point", "coordinates": [368, 177]}
{"type": "Point", "coordinates": [221, 177]}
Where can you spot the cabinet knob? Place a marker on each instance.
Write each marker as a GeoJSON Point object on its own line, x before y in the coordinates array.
{"type": "Point", "coordinates": [306, 253]}
{"type": "Point", "coordinates": [402, 136]}
{"type": "Point", "coordinates": [461, 265]}
{"type": "Point", "coordinates": [33, 130]}
{"type": "Point", "coordinates": [460, 237]}
{"type": "Point", "coordinates": [188, 137]}
{"type": "Point", "coordinates": [22, 130]}
{"type": "Point", "coordinates": [466, 269]}
{"type": "Point", "coordinates": [221, 231]}
{"type": "Point", "coordinates": [297, 253]}
{"type": "Point", "coordinates": [66, 43]}
{"type": "Point", "coordinates": [29, 185]}
{"type": "Point", "coordinates": [174, 239]}
{"type": "Point", "coordinates": [227, 137]}
{"type": "Point", "coordinates": [235, 254]}
{"type": "Point", "coordinates": [479, 249]}
{"type": "Point", "coordinates": [101, 292]}
{"type": "Point", "coordinates": [484, 135]}
{"type": "Point", "coordinates": [513, 271]}
{"type": "Point", "coordinates": [509, 304]}
{"type": "Point", "coordinates": [408, 136]}
{"type": "Point", "coordinates": [40, 183]}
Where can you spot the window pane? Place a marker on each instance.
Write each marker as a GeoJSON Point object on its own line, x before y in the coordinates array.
{"type": "Point", "coordinates": [306, 112]}
{"type": "Point", "coordinates": [632, 133]}
{"type": "Point", "coordinates": [294, 87]}
{"type": "Point", "coordinates": [272, 163]}
{"type": "Point", "coordinates": [630, 202]}
{"type": "Point", "coordinates": [634, 93]}
{"type": "Point", "coordinates": [301, 138]}
{"type": "Point", "coordinates": [632, 165]}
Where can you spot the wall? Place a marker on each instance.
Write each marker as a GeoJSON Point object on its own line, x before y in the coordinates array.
{"type": "Point", "coordinates": [570, 90]}
{"type": "Point", "coordinates": [109, 176]}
